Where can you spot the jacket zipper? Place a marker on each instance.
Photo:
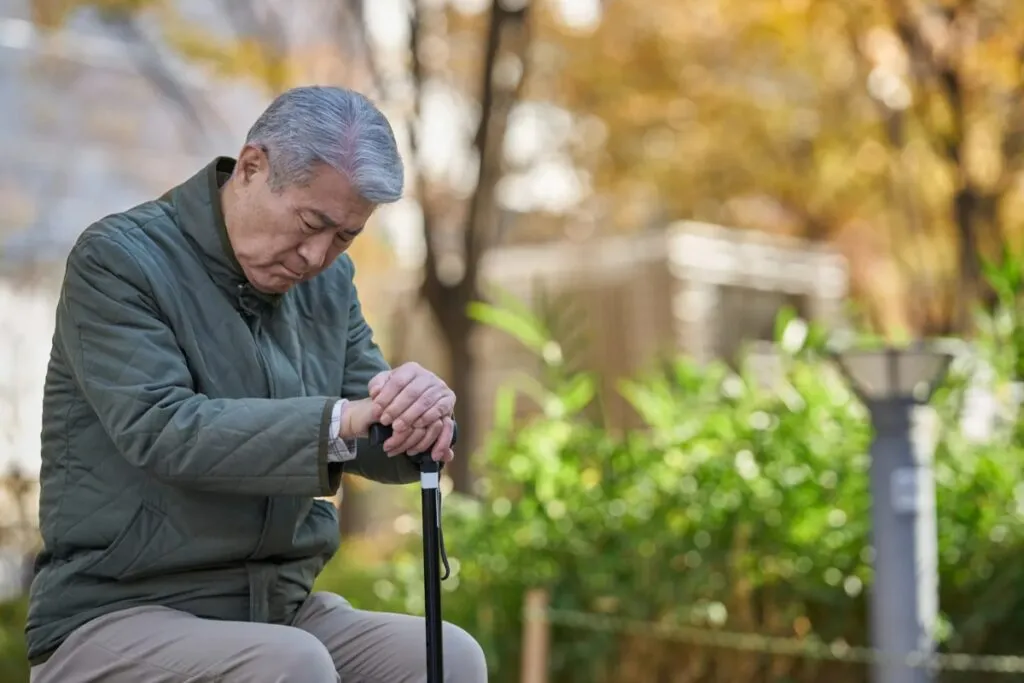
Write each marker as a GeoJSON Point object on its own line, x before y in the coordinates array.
{"type": "Point", "coordinates": [257, 333]}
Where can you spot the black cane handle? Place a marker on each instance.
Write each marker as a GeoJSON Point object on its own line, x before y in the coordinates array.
{"type": "Point", "coordinates": [380, 433]}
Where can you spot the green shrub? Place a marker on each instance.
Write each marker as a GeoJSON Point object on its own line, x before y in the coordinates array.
{"type": "Point", "coordinates": [741, 506]}
{"type": "Point", "coordinates": [13, 664]}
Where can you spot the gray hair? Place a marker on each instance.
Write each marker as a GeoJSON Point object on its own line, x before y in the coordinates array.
{"type": "Point", "coordinates": [311, 125]}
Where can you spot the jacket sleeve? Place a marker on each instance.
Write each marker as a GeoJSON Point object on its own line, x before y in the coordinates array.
{"type": "Point", "coordinates": [363, 360]}
{"type": "Point", "coordinates": [128, 365]}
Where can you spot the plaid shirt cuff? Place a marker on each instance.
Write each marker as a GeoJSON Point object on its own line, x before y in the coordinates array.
{"type": "Point", "coordinates": [339, 450]}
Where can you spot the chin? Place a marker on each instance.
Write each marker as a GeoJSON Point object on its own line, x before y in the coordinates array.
{"type": "Point", "coordinates": [277, 285]}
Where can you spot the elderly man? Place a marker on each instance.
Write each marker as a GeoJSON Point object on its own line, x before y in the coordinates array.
{"type": "Point", "coordinates": [211, 377]}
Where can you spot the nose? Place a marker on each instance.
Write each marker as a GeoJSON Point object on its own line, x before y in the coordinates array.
{"type": "Point", "coordinates": [314, 249]}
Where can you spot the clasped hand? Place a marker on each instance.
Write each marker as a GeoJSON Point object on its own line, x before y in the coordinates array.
{"type": "Point", "coordinates": [417, 405]}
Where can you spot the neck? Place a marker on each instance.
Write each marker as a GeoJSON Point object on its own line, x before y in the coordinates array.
{"type": "Point", "coordinates": [234, 223]}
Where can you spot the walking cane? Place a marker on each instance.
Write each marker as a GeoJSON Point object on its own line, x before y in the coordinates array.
{"type": "Point", "coordinates": [433, 548]}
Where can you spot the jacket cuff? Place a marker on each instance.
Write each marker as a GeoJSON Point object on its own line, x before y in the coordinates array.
{"type": "Point", "coordinates": [329, 472]}
{"type": "Point", "coordinates": [338, 449]}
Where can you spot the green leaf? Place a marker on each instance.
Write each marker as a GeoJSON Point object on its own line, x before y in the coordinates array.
{"type": "Point", "coordinates": [577, 394]}
{"type": "Point", "coordinates": [504, 408]}
{"type": "Point", "coordinates": [785, 316]}
{"type": "Point", "coordinates": [520, 325]}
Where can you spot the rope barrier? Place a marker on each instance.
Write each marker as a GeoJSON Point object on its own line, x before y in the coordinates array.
{"type": "Point", "coordinates": [808, 648]}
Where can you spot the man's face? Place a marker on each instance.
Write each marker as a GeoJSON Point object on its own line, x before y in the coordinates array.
{"type": "Point", "coordinates": [282, 238]}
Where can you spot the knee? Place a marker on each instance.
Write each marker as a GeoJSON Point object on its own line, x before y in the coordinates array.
{"type": "Point", "coordinates": [464, 660]}
{"type": "Point", "coordinates": [299, 657]}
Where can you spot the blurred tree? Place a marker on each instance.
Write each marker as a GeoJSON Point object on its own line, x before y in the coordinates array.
{"type": "Point", "coordinates": [892, 126]}
{"type": "Point", "coordinates": [451, 271]}
{"type": "Point", "coordinates": [963, 64]}
{"type": "Point", "coordinates": [121, 18]}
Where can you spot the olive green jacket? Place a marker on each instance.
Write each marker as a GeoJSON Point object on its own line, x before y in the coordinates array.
{"type": "Point", "coordinates": [185, 424]}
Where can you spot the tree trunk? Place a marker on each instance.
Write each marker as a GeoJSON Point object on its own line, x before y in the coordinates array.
{"type": "Point", "coordinates": [976, 215]}
{"type": "Point", "coordinates": [973, 208]}
{"type": "Point", "coordinates": [508, 35]}
{"type": "Point", "coordinates": [462, 373]}
{"type": "Point", "coordinates": [970, 258]}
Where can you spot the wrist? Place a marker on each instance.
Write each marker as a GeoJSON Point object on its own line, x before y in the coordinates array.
{"type": "Point", "coordinates": [352, 427]}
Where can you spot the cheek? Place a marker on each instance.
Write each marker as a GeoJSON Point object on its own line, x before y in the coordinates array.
{"type": "Point", "coordinates": [273, 249]}
{"type": "Point", "coordinates": [277, 227]}
{"type": "Point", "coordinates": [335, 251]}
{"type": "Point", "coordinates": [280, 238]}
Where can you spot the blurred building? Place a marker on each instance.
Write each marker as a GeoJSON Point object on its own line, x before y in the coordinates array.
{"type": "Point", "coordinates": [695, 289]}
{"type": "Point", "coordinates": [621, 304]}
{"type": "Point", "coordinates": [94, 121]}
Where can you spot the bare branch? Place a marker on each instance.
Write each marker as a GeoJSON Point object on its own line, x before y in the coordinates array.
{"type": "Point", "coordinates": [416, 69]}
{"type": "Point", "coordinates": [268, 30]}
{"type": "Point", "coordinates": [353, 11]}
{"type": "Point", "coordinates": [161, 76]}
{"type": "Point", "coordinates": [508, 38]}
{"type": "Point", "coordinates": [433, 289]}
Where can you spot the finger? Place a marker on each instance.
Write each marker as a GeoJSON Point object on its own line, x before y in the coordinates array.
{"type": "Point", "coordinates": [404, 401]}
{"type": "Point", "coordinates": [392, 444]}
{"type": "Point", "coordinates": [423, 406]}
{"type": "Point", "coordinates": [443, 405]}
{"type": "Point", "coordinates": [377, 383]}
{"type": "Point", "coordinates": [443, 443]}
{"type": "Point", "coordinates": [432, 436]}
{"type": "Point", "coordinates": [450, 455]}
{"type": "Point", "coordinates": [396, 381]}
{"type": "Point", "coordinates": [400, 443]}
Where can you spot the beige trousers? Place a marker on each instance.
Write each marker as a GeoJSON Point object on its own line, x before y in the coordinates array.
{"type": "Point", "coordinates": [331, 641]}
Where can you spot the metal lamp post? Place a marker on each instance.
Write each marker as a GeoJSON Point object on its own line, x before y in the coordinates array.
{"type": "Point", "coordinates": [893, 384]}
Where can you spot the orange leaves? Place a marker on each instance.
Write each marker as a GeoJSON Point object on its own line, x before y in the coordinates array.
{"type": "Point", "coordinates": [688, 107]}
{"type": "Point", "coordinates": [247, 59]}
{"type": "Point", "coordinates": [50, 14]}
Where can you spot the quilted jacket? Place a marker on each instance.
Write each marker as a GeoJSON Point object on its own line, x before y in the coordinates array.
{"type": "Point", "coordinates": [185, 420]}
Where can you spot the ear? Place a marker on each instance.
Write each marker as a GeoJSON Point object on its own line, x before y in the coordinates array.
{"type": "Point", "coordinates": [252, 162]}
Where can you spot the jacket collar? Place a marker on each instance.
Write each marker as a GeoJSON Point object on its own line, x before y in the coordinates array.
{"type": "Point", "coordinates": [197, 202]}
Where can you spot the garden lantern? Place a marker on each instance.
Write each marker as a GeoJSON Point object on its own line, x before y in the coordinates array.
{"type": "Point", "coordinates": [895, 384]}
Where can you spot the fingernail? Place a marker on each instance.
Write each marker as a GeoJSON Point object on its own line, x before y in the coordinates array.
{"type": "Point", "coordinates": [385, 420]}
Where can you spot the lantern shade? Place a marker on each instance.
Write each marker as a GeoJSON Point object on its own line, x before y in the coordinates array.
{"type": "Point", "coordinates": [894, 373]}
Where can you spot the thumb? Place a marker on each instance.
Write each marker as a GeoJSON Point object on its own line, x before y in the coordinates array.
{"type": "Point", "coordinates": [378, 382]}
